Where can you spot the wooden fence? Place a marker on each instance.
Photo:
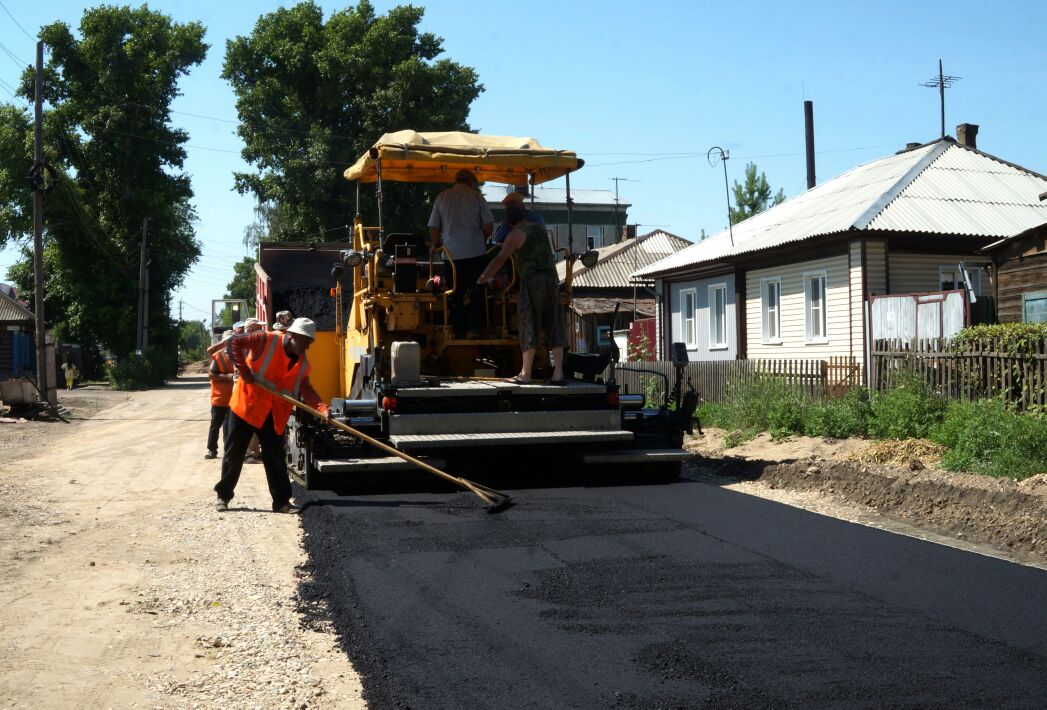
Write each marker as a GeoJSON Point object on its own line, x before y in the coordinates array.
{"type": "Point", "coordinates": [982, 369]}
{"type": "Point", "coordinates": [816, 378]}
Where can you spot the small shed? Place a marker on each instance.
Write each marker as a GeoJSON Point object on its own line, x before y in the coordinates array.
{"type": "Point", "coordinates": [17, 351]}
{"type": "Point", "coordinates": [1020, 275]}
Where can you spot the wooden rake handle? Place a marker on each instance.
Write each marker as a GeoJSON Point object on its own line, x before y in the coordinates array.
{"type": "Point", "coordinates": [489, 496]}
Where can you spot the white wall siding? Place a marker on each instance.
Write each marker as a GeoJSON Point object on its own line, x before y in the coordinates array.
{"type": "Point", "coordinates": [876, 266]}
{"type": "Point", "coordinates": [918, 273]}
{"type": "Point", "coordinates": [793, 311]}
{"type": "Point", "coordinates": [703, 351]}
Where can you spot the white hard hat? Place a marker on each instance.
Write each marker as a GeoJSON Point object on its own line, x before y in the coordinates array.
{"type": "Point", "coordinates": [227, 334]}
{"type": "Point", "coordinates": [252, 321]}
{"type": "Point", "coordinates": [303, 326]}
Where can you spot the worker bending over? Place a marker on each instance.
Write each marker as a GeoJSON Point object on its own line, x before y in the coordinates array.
{"type": "Point", "coordinates": [276, 360]}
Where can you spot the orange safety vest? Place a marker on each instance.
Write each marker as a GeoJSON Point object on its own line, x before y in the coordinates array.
{"type": "Point", "coordinates": [222, 391]}
{"type": "Point", "coordinates": [253, 404]}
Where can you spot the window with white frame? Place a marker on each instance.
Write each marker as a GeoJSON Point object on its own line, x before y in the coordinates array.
{"type": "Point", "coordinates": [688, 317]}
{"type": "Point", "coordinates": [593, 236]}
{"type": "Point", "coordinates": [551, 229]}
{"type": "Point", "coordinates": [771, 296]}
{"type": "Point", "coordinates": [814, 285]}
{"type": "Point", "coordinates": [950, 278]}
{"type": "Point", "coordinates": [717, 316]}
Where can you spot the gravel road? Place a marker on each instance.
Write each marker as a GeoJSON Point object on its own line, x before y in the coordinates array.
{"type": "Point", "coordinates": [122, 587]}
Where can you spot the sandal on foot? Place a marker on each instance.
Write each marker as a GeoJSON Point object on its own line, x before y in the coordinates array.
{"type": "Point", "coordinates": [517, 380]}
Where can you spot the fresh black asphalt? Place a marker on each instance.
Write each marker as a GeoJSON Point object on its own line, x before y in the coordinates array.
{"type": "Point", "coordinates": [664, 596]}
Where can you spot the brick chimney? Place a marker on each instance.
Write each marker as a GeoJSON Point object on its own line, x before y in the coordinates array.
{"type": "Point", "coordinates": [967, 134]}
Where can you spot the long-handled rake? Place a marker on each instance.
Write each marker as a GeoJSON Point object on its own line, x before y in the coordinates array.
{"type": "Point", "coordinates": [494, 501]}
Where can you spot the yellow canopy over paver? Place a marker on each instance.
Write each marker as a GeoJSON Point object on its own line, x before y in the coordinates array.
{"type": "Point", "coordinates": [410, 156]}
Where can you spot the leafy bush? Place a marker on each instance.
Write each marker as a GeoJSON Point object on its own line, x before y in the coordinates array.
{"type": "Point", "coordinates": [150, 370]}
{"type": "Point", "coordinates": [841, 418]}
{"type": "Point", "coordinates": [988, 437]}
{"type": "Point", "coordinates": [909, 410]}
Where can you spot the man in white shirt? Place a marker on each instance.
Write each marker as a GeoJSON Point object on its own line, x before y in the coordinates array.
{"type": "Point", "coordinates": [461, 221]}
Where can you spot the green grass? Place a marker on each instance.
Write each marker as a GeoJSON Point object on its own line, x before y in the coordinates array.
{"type": "Point", "coordinates": [984, 436]}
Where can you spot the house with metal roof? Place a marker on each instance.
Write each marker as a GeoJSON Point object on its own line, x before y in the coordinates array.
{"type": "Point", "coordinates": [796, 280]}
{"type": "Point", "coordinates": [598, 217]}
{"type": "Point", "coordinates": [17, 353]}
{"type": "Point", "coordinates": [599, 289]}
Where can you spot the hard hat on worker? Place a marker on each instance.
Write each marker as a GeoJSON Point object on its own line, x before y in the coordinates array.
{"type": "Point", "coordinates": [303, 326]}
{"type": "Point", "coordinates": [227, 334]}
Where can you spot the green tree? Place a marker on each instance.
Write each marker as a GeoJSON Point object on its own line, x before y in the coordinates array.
{"type": "Point", "coordinates": [754, 196]}
{"type": "Point", "coordinates": [108, 130]}
{"type": "Point", "coordinates": [193, 340]}
{"type": "Point", "coordinates": [243, 283]}
{"type": "Point", "coordinates": [313, 95]}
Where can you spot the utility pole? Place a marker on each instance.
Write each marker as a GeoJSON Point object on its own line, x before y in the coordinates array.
{"type": "Point", "coordinates": [38, 223]}
{"type": "Point", "coordinates": [716, 155]}
{"type": "Point", "coordinates": [617, 235]}
{"type": "Point", "coordinates": [180, 301]}
{"type": "Point", "coordinates": [143, 286]}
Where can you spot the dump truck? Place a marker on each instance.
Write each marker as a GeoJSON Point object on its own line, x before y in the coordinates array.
{"type": "Point", "coordinates": [388, 360]}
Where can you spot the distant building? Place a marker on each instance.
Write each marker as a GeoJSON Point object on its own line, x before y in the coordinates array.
{"type": "Point", "coordinates": [17, 351]}
{"type": "Point", "coordinates": [597, 220]}
{"type": "Point", "coordinates": [597, 291]}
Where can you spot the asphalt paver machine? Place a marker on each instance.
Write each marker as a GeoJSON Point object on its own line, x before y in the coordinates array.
{"type": "Point", "coordinates": [388, 360]}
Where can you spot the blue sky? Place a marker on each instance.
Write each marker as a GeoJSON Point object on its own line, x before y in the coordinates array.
{"type": "Point", "coordinates": [625, 83]}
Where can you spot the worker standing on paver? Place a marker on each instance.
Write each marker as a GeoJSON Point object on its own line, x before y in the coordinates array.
{"type": "Point", "coordinates": [276, 360]}
{"type": "Point", "coordinates": [461, 221]}
{"type": "Point", "coordinates": [220, 374]}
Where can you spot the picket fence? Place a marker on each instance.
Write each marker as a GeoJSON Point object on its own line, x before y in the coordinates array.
{"type": "Point", "coordinates": [982, 369]}
{"type": "Point", "coordinates": [817, 378]}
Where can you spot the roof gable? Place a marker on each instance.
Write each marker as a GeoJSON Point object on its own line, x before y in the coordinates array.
{"type": "Point", "coordinates": [618, 261]}
{"type": "Point", "coordinates": [12, 310]}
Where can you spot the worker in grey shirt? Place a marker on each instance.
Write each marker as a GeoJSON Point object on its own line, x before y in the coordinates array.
{"type": "Point", "coordinates": [462, 221]}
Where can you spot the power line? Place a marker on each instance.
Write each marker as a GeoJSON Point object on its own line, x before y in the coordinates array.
{"type": "Point", "coordinates": [16, 22]}
{"type": "Point", "coordinates": [13, 57]}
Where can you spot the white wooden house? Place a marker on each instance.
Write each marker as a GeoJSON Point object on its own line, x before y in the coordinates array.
{"type": "Point", "coordinates": [803, 271]}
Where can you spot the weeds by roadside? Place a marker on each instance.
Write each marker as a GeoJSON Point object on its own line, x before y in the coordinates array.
{"type": "Point", "coordinates": [984, 436]}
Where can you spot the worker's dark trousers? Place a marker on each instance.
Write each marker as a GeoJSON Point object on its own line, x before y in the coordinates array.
{"type": "Point", "coordinates": [219, 420]}
{"type": "Point", "coordinates": [236, 442]}
{"type": "Point", "coordinates": [467, 318]}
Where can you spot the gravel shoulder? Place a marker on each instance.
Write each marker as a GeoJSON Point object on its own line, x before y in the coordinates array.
{"type": "Point", "coordinates": [895, 486]}
{"type": "Point", "coordinates": [122, 587]}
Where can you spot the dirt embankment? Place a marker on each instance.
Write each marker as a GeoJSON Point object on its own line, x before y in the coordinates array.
{"type": "Point", "coordinates": [895, 485]}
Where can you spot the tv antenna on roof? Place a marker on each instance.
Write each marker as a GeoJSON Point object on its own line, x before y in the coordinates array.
{"type": "Point", "coordinates": [941, 82]}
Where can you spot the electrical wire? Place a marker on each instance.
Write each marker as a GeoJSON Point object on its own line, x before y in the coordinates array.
{"type": "Point", "coordinates": [16, 22]}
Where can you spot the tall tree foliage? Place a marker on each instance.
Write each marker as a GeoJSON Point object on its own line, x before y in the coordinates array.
{"type": "Point", "coordinates": [313, 95]}
{"type": "Point", "coordinates": [243, 283]}
{"type": "Point", "coordinates": [108, 130]}
{"type": "Point", "coordinates": [753, 196]}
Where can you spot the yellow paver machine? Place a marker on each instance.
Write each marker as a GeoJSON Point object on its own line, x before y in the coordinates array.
{"type": "Point", "coordinates": [389, 362]}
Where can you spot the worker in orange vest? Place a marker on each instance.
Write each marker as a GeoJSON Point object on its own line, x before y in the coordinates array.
{"type": "Point", "coordinates": [278, 361]}
{"type": "Point", "coordinates": [220, 373]}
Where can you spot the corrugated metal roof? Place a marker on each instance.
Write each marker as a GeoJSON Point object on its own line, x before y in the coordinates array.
{"type": "Point", "coordinates": [13, 311]}
{"type": "Point", "coordinates": [644, 307]}
{"type": "Point", "coordinates": [618, 261]}
{"type": "Point", "coordinates": [556, 196]}
{"type": "Point", "coordinates": [939, 188]}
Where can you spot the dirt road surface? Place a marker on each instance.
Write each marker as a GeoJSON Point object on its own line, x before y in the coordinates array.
{"type": "Point", "coordinates": [121, 586]}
